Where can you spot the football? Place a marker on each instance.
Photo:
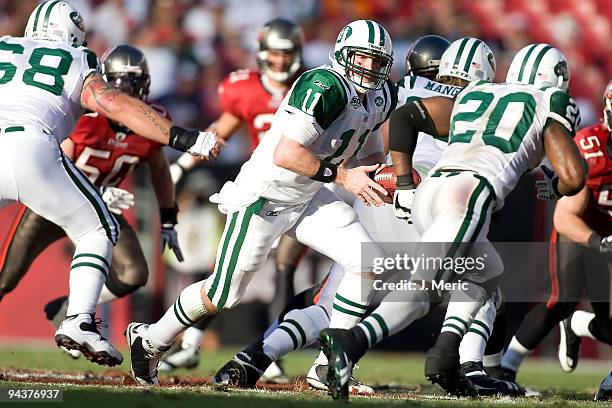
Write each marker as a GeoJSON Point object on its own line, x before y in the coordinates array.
{"type": "Point", "coordinates": [387, 178]}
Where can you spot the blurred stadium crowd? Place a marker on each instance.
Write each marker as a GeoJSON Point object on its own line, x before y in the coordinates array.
{"type": "Point", "coordinates": [192, 44]}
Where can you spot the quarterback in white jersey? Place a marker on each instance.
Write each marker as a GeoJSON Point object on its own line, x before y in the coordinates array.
{"type": "Point", "coordinates": [331, 114]}
{"type": "Point", "coordinates": [497, 132]}
{"type": "Point", "coordinates": [48, 78]}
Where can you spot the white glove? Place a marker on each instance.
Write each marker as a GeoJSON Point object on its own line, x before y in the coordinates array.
{"type": "Point", "coordinates": [117, 199]}
{"type": "Point", "coordinates": [547, 187]}
{"type": "Point", "coordinates": [605, 246]}
{"type": "Point", "coordinates": [169, 237]}
{"type": "Point", "coordinates": [206, 143]}
{"type": "Point", "coordinates": [402, 204]}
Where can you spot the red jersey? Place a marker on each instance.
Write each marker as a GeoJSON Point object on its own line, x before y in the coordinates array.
{"type": "Point", "coordinates": [107, 156]}
{"type": "Point", "coordinates": [243, 95]}
{"type": "Point", "coordinates": [592, 143]}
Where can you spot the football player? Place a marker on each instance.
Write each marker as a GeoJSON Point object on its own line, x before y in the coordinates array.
{"type": "Point", "coordinates": [49, 78]}
{"type": "Point", "coordinates": [487, 154]}
{"type": "Point", "coordinates": [250, 98]}
{"type": "Point", "coordinates": [106, 152]}
{"type": "Point", "coordinates": [331, 114]}
{"type": "Point", "coordinates": [581, 242]}
{"type": "Point", "coordinates": [423, 57]}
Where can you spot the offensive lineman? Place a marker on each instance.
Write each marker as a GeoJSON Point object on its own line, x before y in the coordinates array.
{"type": "Point", "coordinates": [582, 242]}
{"type": "Point", "coordinates": [49, 77]}
{"type": "Point", "coordinates": [106, 152]}
{"type": "Point", "coordinates": [332, 113]}
{"type": "Point", "coordinates": [487, 154]}
{"type": "Point", "coordinates": [250, 98]}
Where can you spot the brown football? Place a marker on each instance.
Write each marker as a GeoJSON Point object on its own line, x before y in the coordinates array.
{"type": "Point", "coordinates": [387, 178]}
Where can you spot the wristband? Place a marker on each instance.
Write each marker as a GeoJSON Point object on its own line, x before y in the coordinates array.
{"type": "Point", "coordinates": [182, 139]}
{"type": "Point", "coordinates": [405, 182]}
{"type": "Point", "coordinates": [327, 172]}
{"type": "Point", "coordinates": [594, 241]}
{"type": "Point", "coordinates": [167, 216]}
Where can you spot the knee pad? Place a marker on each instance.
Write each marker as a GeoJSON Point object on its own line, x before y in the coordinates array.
{"type": "Point", "coordinates": [307, 322]}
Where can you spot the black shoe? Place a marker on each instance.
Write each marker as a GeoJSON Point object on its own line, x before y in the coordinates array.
{"type": "Point", "coordinates": [494, 372]}
{"type": "Point", "coordinates": [507, 375]}
{"type": "Point", "coordinates": [569, 346]}
{"type": "Point", "coordinates": [340, 367]}
{"type": "Point", "coordinates": [55, 311]}
{"type": "Point", "coordinates": [605, 389]}
{"type": "Point", "coordinates": [486, 385]}
{"type": "Point", "coordinates": [442, 368]}
{"type": "Point", "coordinates": [245, 369]}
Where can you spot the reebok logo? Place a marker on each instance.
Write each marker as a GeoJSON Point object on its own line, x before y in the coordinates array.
{"type": "Point", "coordinates": [271, 213]}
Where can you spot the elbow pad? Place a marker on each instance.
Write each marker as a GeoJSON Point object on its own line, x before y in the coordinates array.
{"type": "Point", "coordinates": [405, 124]}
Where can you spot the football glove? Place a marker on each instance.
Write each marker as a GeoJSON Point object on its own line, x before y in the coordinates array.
{"type": "Point", "coordinates": [117, 199]}
{"type": "Point", "coordinates": [402, 204]}
{"type": "Point", "coordinates": [205, 144]}
{"type": "Point", "coordinates": [169, 236]}
{"type": "Point", "coordinates": [547, 188]}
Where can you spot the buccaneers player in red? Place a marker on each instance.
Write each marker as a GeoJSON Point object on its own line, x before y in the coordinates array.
{"type": "Point", "coordinates": [581, 261]}
{"type": "Point", "coordinates": [251, 98]}
{"type": "Point", "coordinates": [106, 152]}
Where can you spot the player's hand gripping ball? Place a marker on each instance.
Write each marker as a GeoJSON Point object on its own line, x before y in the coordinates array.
{"type": "Point", "coordinates": [386, 177]}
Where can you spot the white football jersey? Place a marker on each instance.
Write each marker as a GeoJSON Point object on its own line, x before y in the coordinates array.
{"type": "Point", "coordinates": [497, 130]}
{"type": "Point", "coordinates": [41, 83]}
{"type": "Point", "coordinates": [428, 149]}
{"type": "Point", "coordinates": [323, 112]}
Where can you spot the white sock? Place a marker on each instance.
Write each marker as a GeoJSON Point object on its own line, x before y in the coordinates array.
{"type": "Point", "coordinates": [396, 312]}
{"type": "Point", "coordinates": [474, 342]}
{"type": "Point", "coordinates": [349, 304]}
{"type": "Point", "coordinates": [462, 307]}
{"type": "Point", "coordinates": [580, 323]}
{"type": "Point", "coordinates": [92, 256]}
{"type": "Point", "coordinates": [271, 328]}
{"type": "Point", "coordinates": [106, 296]}
{"type": "Point", "coordinates": [492, 360]}
{"type": "Point", "coordinates": [186, 310]}
{"type": "Point", "coordinates": [192, 337]}
{"type": "Point", "coordinates": [514, 355]}
{"type": "Point", "coordinates": [299, 328]}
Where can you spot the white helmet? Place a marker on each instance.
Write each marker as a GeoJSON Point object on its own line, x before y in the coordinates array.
{"type": "Point", "coordinates": [363, 37]}
{"type": "Point", "coordinates": [469, 59]}
{"type": "Point", "coordinates": [540, 65]}
{"type": "Point", "coordinates": [607, 100]}
{"type": "Point", "coordinates": [56, 20]}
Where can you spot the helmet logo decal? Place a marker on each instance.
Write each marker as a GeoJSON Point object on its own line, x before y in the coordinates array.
{"type": "Point", "coordinates": [346, 33]}
{"type": "Point", "coordinates": [77, 20]}
{"type": "Point", "coordinates": [560, 70]}
{"type": "Point", "coordinates": [378, 101]}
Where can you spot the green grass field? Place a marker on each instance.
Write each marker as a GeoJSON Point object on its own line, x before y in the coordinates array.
{"type": "Point", "coordinates": [398, 379]}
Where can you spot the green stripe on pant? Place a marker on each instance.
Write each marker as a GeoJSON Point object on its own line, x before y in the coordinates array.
{"type": "Point", "coordinates": [235, 252]}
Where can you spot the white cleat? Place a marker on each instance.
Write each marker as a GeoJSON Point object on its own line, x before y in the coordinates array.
{"type": "Point", "coordinates": [144, 356]}
{"type": "Point", "coordinates": [80, 332]}
{"type": "Point", "coordinates": [74, 354]}
{"type": "Point", "coordinates": [186, 356]}
{"type": "Point", "coordinates": [569, 346]}
{"type": "Point", "coordinates": [274, 374]}
{"type": "Point", "coordinates": [317, 379]}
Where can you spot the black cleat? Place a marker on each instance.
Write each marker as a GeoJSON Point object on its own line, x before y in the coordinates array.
{"type": "Point", "coordinates": [442, 368]}
{"type": "Point", "coordinates": [486, 385]}
{"type": "Point", "coordinates": [569, 346]}
{"type": "Point", "coordinates": [605, 389]}
{"type": "Point", "coordinates": [245, 369]}
{"type": "Point", "coordinates": [339, 367]}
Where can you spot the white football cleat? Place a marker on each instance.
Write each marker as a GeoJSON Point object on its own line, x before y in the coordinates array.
{"type": "Point", "coordinates": [274, 374]}
{"type": "Point", "coordinates": [569, 346]}
{"type": "Point", "coordinates": [80, 332]}
{"type": "Point", "coordinates": [144, 356]}
{"type": "Point", "coordinates": [186, 356]}
{"type": "Point", "coordinates": [317, 379]}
